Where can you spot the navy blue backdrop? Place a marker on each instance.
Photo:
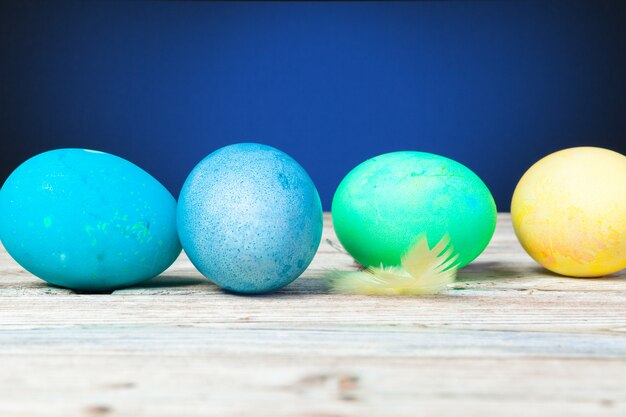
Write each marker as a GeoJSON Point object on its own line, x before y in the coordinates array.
{"type": "Point", "coordinates": [494, 85]}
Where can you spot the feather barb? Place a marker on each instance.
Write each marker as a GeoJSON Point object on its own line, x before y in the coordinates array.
{"type": "Point", "coordinates": [424, 271]}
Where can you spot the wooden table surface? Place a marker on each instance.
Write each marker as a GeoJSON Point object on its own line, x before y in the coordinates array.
{"type": "Point", "coordinates": [508, 339]}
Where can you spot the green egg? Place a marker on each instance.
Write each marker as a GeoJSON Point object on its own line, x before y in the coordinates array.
{"type": "Point", "coordinates": [386, 203]}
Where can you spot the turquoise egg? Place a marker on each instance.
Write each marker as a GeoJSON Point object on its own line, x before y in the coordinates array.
{"type": "Point", "coordinates": [88, 220]}
{"type": "Point", "coordinates": [249, 218]}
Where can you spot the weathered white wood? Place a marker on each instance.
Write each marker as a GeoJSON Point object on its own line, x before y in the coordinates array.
{"type": "Point", "coordinates": [507, 339]}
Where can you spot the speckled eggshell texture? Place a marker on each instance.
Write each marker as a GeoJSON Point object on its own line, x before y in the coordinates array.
{"type": "Point", "coordinates": [250, 218]}
{"type": "Point", "coordinates": [87, 220]}
{"type": "Point", "coordinates": [569, 212]}
{"type": "Point", "coordinates": [383, 205]}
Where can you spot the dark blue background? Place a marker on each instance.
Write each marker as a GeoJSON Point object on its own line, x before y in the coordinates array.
{"type": "Point", "coordinates": [494, 85]}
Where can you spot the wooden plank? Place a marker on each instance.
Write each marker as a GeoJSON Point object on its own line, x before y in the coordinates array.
{"type": "Point", "coordinates": [507, 338]}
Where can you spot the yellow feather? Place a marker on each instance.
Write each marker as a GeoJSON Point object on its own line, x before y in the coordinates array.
{"type": "Point", "coordinates": [424, 271]}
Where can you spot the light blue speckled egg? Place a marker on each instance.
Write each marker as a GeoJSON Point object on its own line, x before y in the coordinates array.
{"type": "Point", "coordinates": [88, 220]}
{"type": "Point", "coordinates": [249, 218]}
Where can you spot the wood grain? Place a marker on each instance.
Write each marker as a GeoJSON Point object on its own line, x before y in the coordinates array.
{"type": "Point", "coordinates": [508, 338]}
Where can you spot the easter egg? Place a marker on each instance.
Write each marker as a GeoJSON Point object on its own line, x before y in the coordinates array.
{"type": "Point", "coordinates": [384, 205]}
{"type": "Point", "coordinates": [249, 218]}
{"type": "Point", "coordinates": [87, 220]}
{"type": "Point", "coordinates": [569, 212]}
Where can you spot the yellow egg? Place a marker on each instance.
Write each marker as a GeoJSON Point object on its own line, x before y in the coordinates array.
{"type": "Point", "coordinates": [569, 212]}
